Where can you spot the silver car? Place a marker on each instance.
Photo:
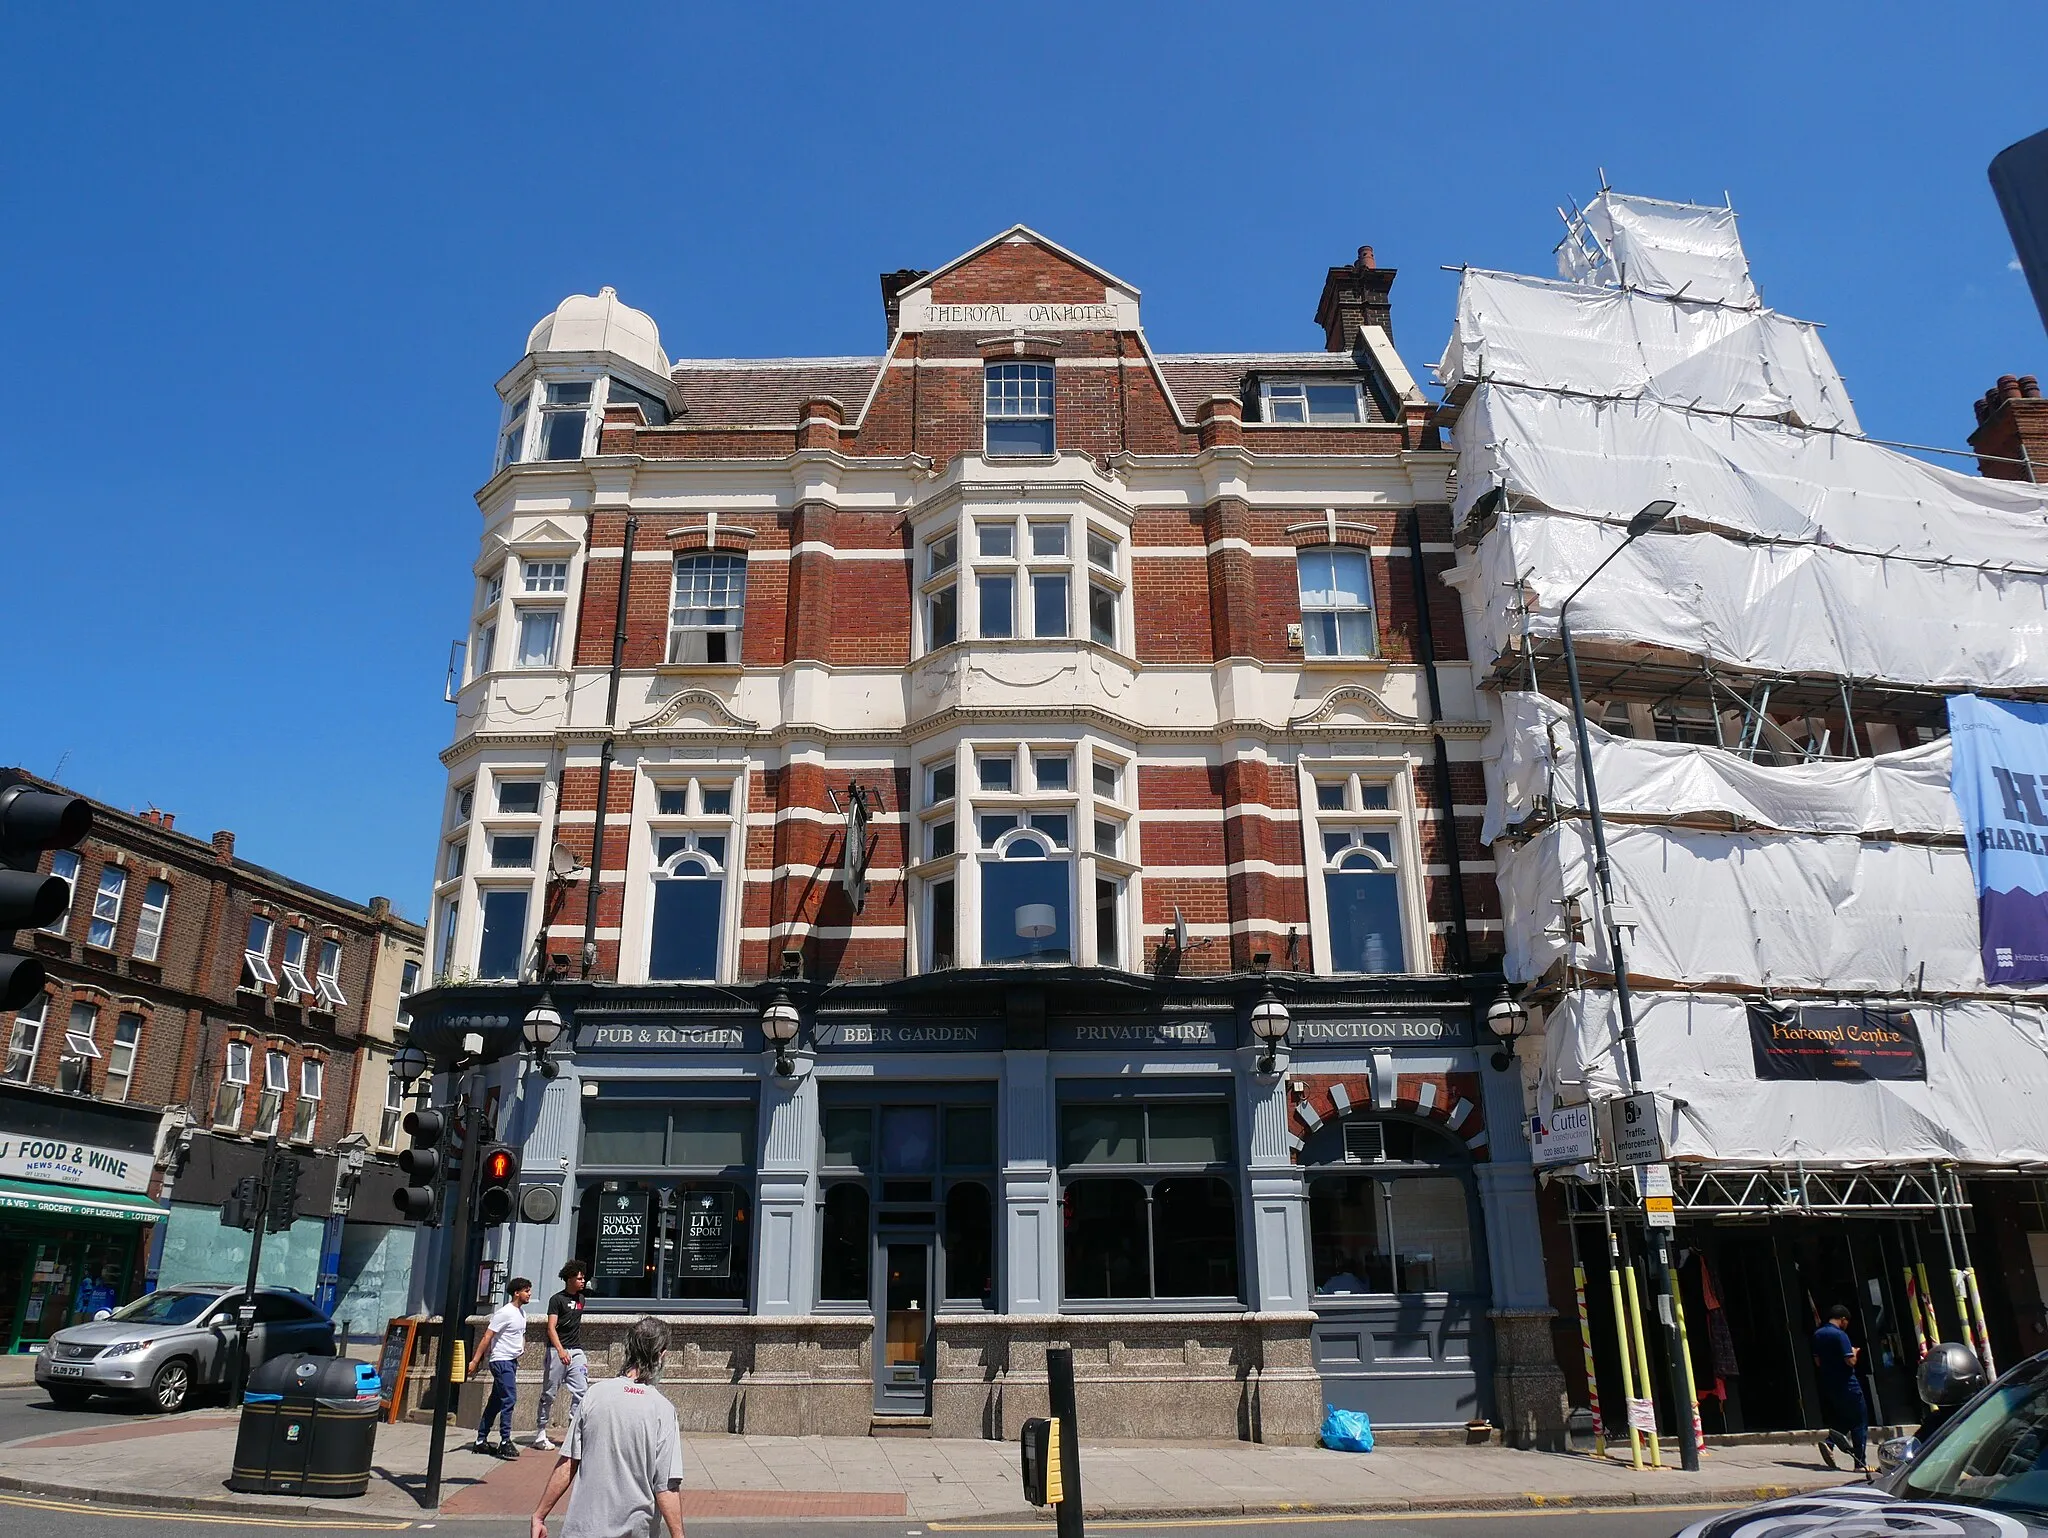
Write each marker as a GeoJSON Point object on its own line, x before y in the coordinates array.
{"type": "Point", "coordinates": [169, 1344]}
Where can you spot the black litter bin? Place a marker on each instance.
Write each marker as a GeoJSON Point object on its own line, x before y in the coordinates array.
{"type": "Point", "coordinates": [309, 1427]}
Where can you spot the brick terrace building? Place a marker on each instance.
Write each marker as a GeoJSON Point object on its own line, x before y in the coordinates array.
{"type": "Point", "coordinates": [196, 1001]}
{"type": "Point", "coordinates": [1118, 671]}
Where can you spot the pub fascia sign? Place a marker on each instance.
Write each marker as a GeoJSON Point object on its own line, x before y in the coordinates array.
{"type": "Point", "coordinates": [1314, 1033]}
{"type": "Point", "coordinates": [1117, 312]}
{"type": "Point", "coordinates": [64, 1162]}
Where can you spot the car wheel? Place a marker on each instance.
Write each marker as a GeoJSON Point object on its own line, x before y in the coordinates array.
{"type": "Point", "coordinates": [171, 1386]}
{"type": "Point", "coordinates": [68, 1398]}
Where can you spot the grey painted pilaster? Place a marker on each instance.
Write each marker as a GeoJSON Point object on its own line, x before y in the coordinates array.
{"type": "Point", "coordinates": [1031, 1233]}
{"type": "Point", "coordinates": [1276, 1195]}
{"type": "Point", "coordinates": [545, 1122]}
{"type": "Point", "coordinates": [786, 1266]}
{"type": "Point", "coordinates": [1507, 1192]}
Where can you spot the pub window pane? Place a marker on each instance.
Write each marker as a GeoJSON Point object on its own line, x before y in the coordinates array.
{"type": "Point", "coordinates": [1101, 1134]}
{"type": "Point", "coordinates": [711, 1136]}
{"type": "Point", "coordinates": [970, 1245]}
{"type": "Point", "coordinates": [625, 1134]}
{"type": "Point", "coordinates": [1347, 1235]}
{"type": "Point", "coordinates": [849, 1133]}
{"type": "Point", "coordinates": [1107, 1254]}
{"type": "Point", "coordinates": [504, 934]}
{"type": "Point", "coordinates": [1025, 907]}
{"type": "Point", "coordinates": [684, 937]}
{"type": "Point", "coordinates": [1194, 1237]}
{"type": "Point", "coordinates": [1432, 1234]}
{"type": "Point", "coordinates": [1189, 1134]}
{"type": "Point", "coordinates": [970, 1137]}
{"type": "Point", "coordinates": [694, 1240]}
{"type": "Point", "coordinates": [844, 1253]}
{"type": "Point", "coordinates": [909, 1139]}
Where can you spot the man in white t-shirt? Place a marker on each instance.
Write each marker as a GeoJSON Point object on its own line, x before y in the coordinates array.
{"type": "Point", "coordinates": [622, 1461]}
{"type": "Point", "coordinates": [499, 1351]}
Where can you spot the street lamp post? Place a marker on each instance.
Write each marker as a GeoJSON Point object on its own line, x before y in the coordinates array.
{"type": "Point", "coordinates": [1603, 875]}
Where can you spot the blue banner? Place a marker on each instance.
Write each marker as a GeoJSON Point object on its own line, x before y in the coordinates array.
{"type": "Point", "coordinates": [1999, 778]}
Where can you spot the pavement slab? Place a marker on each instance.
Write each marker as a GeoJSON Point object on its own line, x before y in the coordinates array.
{"type": "Point", "coordinates": [181, 1462]}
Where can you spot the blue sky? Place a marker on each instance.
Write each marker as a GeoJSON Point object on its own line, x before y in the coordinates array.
{"type": "Point", "coordinates": [263, 266]}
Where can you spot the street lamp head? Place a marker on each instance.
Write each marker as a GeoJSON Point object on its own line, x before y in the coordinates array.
{"type": "Point", "coordinates": [543, 1023]}
{"type": "Point", "coordinates": [779, 1023]}
{"type": "Point", "coordinates": [1269, 1024]}
{"type": "Point", "coordinates": [1507, 1018]}
{"type": "Point", "coordinates": [409, 1064]}
{"type": "Point", "coordinates": [1649, 518]}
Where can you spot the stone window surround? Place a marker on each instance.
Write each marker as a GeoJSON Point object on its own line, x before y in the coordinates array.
{"type": "Point", "coordinates": [1399, 818]}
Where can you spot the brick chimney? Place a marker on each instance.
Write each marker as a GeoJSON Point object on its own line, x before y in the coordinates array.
{"type": "Point", "coordinates": [2011, 439]}
{"type": "Point", "coordinates": [1355, 297]}
{"type": "Point", "coordinates": [224, 847]}
{"type": "Point", "coordinates": [893, 285]}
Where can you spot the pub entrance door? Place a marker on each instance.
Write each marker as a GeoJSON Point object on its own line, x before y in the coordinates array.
{"type": "Point", "coordinates": [903, 1323]}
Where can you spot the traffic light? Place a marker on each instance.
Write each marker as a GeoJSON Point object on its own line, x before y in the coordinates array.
{"type": "Point", "coordinates": [424, 1165]}
{"type": "Point", "coordinates": [284, 1196]}
{"type": "Point", "coordinates": [31, 821]}
{"type": "Point", "coordinates": [497, 1181]}
{"type": "Point", "coordinates": [239, 1210]}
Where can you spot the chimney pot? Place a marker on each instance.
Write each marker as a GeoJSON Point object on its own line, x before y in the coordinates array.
{"type": "Point", "coordinates": [167, 819]}
{"type": "Point", "coordinates": [893, 285]}
{"type": "Point", "coordinates": [2030, 387]}
{"type": "Point", "coordinates": [1365, 257]}
{"type": "Point", "coordinates": [224, 847]}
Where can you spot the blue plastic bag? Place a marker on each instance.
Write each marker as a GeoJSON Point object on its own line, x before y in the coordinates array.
{"type": "Point", "coordinates": [1347, 1431]}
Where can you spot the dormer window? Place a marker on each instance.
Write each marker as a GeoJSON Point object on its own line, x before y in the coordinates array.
{"type": "Point", "coordinates": [565, 410]}
{"type": "Point", "coordinates": [1311, 403]}
{"type": "Point", "coordinates": [1018, 410]}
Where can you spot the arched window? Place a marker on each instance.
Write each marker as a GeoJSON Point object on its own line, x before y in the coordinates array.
{"type": "Point", "coordinates": [1363, 888]}
{"type": "Point", "coordinates": [1026, 891]}
{"type": "Point", "coordinates": [708, 609]}
{"type": "Point", "coordinates": [1390, 1210]}
{"type": "Point", "coordinates": [689, 892]}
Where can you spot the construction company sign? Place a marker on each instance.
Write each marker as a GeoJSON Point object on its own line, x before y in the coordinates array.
{"type": "Point", "coordinates": [1565, 1136]}
{"type": "Point", "coordinates": [65, 1163]}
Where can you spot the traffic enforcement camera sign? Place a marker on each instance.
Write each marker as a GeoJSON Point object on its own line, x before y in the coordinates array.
{"type": "Point", "coordinates": [1635, 1132]}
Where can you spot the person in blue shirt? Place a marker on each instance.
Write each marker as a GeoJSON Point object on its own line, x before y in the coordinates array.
{"type": "Point", "coordinates": [1841, 1392]}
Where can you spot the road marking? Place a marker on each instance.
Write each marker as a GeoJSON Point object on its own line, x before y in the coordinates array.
{"type": "Point", "coordinates": [1299, 1519]}
{"type": "Point", "coordinates": [143, 1513]}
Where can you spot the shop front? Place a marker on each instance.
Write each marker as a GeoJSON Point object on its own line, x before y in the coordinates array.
{"type": "Point", "coordinates": [953, 1178]}
{"type": "Point", "coordinates": [75, 1210]}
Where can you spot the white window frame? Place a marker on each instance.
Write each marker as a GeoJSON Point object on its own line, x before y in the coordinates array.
{"type": "Point", "coordinates": [693, 822]}
{"type": "Point", "coordinates": [107, 899]}
{"type": "Point", "coordinates": [306, 1109]}
{"type": "Point", "coordinates": [408, 985]}
{"type": "Point", "coordinates": [394, 1110]}
{"type": "Point", "coordinates": [718, 567]}
{"type": "Point", "coordinates": [451, 922]}
{"type": "Point", "coordinates": [483, 652]}
{"type": "Point", "coordinates": [64, 866]}
{"type": "Point", "coordinates": [512, 432]}
{"type": "Point", "coordinates": [586, 409]}
{"type": "Point", "coordinates": [1370, 608]}
{"type": "Point", "coordinates": [1000, 403]}
{"type": "Point", "coordinates": [149, 923]}
{"type": "Point", "coordinates": [327, 976]}
{"type": "Point", "coordinates": [292, 964]}
{"type": "Point", "coordinates": [953, 572]}
{"type": "Point", "coordinates": [81, 1048]}
{"type": "Point", "coordinates": [121, 1056]}
{"type": "Point", "coordinates": [1276, 395]}
{"type": "Point", "coordinates": [484, 891]}
{"type": "Point", "coordinates": [532, 619]}
{"type": "Point", "coordinates": [25, 1041]}
{"type": "Point", "coordinates": [544, 576]}
{"type": "Point", "coordinates": [234, 1076]}
{"type": "Point", "coordinates": [255, 962]}
{"type": "Point", "coordinates": [1397, 818]}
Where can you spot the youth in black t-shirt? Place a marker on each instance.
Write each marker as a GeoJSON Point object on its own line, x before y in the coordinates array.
{"type": "Point", "coordinates": [566, 1309]}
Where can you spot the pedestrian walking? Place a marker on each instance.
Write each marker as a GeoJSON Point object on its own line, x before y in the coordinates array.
{"type": "Point", "coordinates": [499, 1351]}
{"type": "Point", "coordinates": [1841, 1392]}
{"type": "Point", "coordinates": [566, 1362]}
{"type": "Point", "coordinates": [622, 1461]}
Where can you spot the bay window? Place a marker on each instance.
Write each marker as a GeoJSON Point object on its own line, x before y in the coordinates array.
{"type": "Point", "coordinates": [707, 610]}
{"type": "Point", "coordinates": [565, 410]}
{"type": "Point", "coordinates": [1148, 1197]}
{"type": "Point", "coordinates": [501, 944]}
{"type": "Point", "coordinates": [512, 436]}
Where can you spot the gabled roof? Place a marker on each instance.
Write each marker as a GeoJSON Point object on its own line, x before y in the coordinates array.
{"type": "Point", "coordinates": [1031, 235]}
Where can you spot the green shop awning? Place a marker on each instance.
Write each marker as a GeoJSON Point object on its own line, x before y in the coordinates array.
{"type": "Point", "coordinates": [76, 1201]}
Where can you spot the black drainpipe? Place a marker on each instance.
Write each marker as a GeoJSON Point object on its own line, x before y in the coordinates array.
{"type": "Point", "coordinates": [1461, 946]}
{"type": "Point", "coordinates": [604, 760]}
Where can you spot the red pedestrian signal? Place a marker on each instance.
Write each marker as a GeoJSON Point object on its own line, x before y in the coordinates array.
{"type": "Point", "coordinates": [497, 1181]}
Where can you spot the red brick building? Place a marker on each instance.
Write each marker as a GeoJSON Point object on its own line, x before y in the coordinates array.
{"type": "Point", "coordinates": [196, 1002]}
{"type": "Point", "coordinates": [1027, 706]}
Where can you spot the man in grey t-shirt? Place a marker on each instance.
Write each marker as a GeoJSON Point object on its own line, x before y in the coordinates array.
{"type": "Point", "coordinates": [622, 1462]}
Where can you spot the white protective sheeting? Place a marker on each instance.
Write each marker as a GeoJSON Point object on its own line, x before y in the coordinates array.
{"type": "Point", "coordinates": [1985, 1099]}
{"type": "Point", "coordinates": [1775, 608]}
{"type": "Point", "coordinates": [1666, 248]}
{"type": "Point", "coordinates": [1606, 459]}
{"type": "Point", "coordinates": [1621, 343]}
{"type": "Point", "coordinates": [1893, 793]}
{"type": "Point", "coordinates": [1780, 910]}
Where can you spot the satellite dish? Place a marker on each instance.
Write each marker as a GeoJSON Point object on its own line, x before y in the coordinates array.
{"type": "Point", "coordinates": [562, 864]}
{"type": "Point", "coordinates": [1180, 930]}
